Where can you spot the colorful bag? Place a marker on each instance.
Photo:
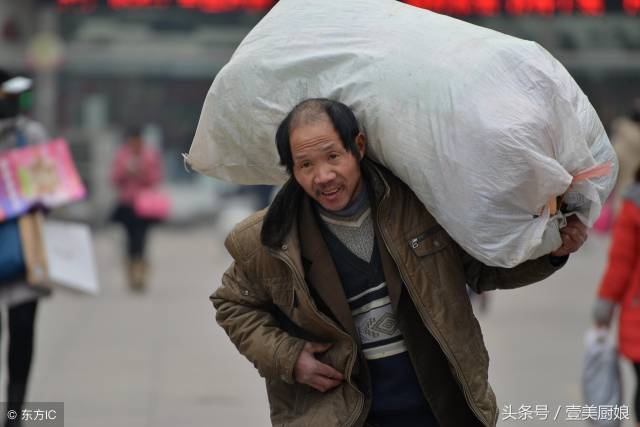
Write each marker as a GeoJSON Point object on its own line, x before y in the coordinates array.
{"type": "Point", "coordinates": [152, 204]}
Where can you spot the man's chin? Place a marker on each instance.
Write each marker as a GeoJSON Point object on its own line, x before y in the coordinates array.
{"type": "Point", "coordinates": [335, 203]}
{"type": "Point", "coordinates": [332, 206]}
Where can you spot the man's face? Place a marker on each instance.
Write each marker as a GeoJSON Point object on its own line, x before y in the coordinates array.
{"type": "Point", "coordinates": [323, 167]}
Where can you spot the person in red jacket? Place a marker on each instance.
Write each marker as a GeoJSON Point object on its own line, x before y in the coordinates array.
{"type": "Point", "coordinates": [621, 282]}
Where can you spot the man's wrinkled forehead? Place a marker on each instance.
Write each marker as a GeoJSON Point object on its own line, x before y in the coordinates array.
{"type": "Point", "coordinates": [323, 145]}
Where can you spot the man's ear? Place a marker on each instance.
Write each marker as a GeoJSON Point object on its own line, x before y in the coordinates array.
{"type": "Point", "coordinates": [361, 142]}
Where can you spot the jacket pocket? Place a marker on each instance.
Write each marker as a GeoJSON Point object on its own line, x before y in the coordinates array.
{"type": "Point", "coordinates": [286, 401]}
{"type": "Point", "coordinates": [282, 293]}
{"type": "Point", "coordinates": [430, 241]}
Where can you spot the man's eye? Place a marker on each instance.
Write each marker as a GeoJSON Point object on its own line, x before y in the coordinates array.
{"type": "Point", "coordinates": [333, 156]}
{"type": "Point", "coordinates": [305, 165]}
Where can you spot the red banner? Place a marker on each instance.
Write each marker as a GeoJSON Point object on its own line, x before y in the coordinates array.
{"type": "Point", "coordinates": [450, 7]}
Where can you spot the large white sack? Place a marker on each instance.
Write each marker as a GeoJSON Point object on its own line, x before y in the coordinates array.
{"type": "Point", "coordinates": [485, 128]}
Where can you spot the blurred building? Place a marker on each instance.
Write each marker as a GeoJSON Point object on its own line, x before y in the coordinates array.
{"type": "Point", "coordinates": [103, 65]}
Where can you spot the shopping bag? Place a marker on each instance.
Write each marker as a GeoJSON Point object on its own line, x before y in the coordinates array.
{"type": "Point", "coordinates": [32, 240]}
{"type": "Point", "coordinates": [601, 382]}
{"type": "Point", "coordinates": [68, 247]}
{"type": "Point", "coordinates": [38, 175]}
{"type": "Point", "coordinates": [57, 253]}
{"type": "Point", "coordinates": [153, 204]}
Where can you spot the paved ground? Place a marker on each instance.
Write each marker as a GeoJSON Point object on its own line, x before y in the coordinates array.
{"type": "Point", "coordinates": [158, 359]}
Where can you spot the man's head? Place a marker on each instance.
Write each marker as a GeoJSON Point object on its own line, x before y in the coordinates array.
{"type": "Point", "coordinates": [320, 144]}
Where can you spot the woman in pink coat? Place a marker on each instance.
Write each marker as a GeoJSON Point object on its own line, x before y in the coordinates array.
{"type": "Point", "coordinates": [136, 168]}
{"type": "Point", "coordinates": [620, 285]}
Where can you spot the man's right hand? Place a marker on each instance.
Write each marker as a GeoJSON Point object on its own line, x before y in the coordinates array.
{"type": "Point", "coordinates": [308, 370]}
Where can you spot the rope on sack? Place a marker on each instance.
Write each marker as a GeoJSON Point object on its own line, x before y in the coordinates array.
{"type": "Point", "coordinates": [597, 171]}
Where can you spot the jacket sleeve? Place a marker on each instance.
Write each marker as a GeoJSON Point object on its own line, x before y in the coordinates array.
{"type": "Point", "coordinates": [622, 255]}
{"type": "Point", "coordinates": [481, 277]}
{"type": "Point", "coordinates": [244, 311]}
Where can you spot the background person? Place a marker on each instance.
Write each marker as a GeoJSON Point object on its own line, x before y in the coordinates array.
{"type": "Point", "coordinates": [19, 298]}
{"type": "Point", "coordinates": [620, 285]}
{"type": "Point", "coordinates": [136, 168]}
{"type": "Point", "coordinates": [626, 142]}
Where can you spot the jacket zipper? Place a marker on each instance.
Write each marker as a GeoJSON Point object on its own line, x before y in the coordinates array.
{"type": "Point", "coordinates": [431, 329]}
{"type": "Point", "coordinates": [325, 319]}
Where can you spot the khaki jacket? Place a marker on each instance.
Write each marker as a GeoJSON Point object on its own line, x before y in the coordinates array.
{"type": "Point", "coordinates": [283, 289]}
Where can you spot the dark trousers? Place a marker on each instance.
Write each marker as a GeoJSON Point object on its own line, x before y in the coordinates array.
{"type": "Point", "coordinates": [21, 333]}
{"type": "Point", "coordinates": [136, 238]}
{"type": "Point", "coordinates": [136, 230]}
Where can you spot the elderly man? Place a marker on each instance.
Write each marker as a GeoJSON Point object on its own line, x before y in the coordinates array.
{"type": "Point", "coordinates": [349, 297]}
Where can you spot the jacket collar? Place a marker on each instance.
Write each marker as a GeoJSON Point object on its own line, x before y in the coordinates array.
{"type": "Point", "coordinates": [321, 273]}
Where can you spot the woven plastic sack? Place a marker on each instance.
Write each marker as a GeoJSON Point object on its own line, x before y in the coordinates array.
{"type": "Point", "coordinates": [485, 128]}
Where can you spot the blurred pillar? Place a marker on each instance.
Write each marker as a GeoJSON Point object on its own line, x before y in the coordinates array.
{"type": "Point", "coordinates": [45, 54]}
{"type": "Point", "coordinates": [103, 144]}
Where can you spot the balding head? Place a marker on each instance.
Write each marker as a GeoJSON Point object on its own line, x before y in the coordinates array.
{"type": "Point", "coordinates": [315, 110]}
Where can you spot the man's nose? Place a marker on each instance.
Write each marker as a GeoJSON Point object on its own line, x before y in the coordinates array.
{"type": "Point", "coordinates": [324, 175]}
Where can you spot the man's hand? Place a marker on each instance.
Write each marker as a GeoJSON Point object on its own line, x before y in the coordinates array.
{"type": "Point", "coordinates": [573, 235]}
{"type": "Point", "coordinates": [308, 370]}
